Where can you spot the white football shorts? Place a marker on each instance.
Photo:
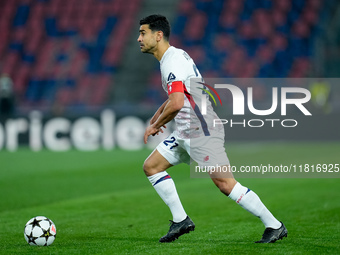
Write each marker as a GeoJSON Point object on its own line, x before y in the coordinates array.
{"type": "Point", "coordinates": [206, 150]}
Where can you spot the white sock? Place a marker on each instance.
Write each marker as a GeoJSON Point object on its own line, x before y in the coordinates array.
{"type": "Point", "coordinates": [166, 189]}
{"type": "Point", "coordinates": [248, 200]}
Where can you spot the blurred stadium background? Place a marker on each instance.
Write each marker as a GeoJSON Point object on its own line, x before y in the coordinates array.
{"type": "Point", "coordinates": [64, 63]}
{"type": "Point", "coordinates": [73, 58]}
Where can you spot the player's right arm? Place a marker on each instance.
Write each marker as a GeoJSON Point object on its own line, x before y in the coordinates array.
{"type": "Point", "coordinates": [173, 106]}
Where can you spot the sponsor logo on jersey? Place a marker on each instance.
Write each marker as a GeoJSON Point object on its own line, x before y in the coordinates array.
{"type": "Point", "coordinates": [171, 77]}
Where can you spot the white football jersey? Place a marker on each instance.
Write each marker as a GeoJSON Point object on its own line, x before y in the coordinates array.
{"type": "Point", "coordinates": [177, 66]}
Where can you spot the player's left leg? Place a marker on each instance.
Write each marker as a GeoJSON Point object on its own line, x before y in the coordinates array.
{"type": "Point", "coordinates": [247, 199]}
{"type": "Point", "coordinates": [212, 151]}
{"type": "Point", "coordinates": [251, 202]}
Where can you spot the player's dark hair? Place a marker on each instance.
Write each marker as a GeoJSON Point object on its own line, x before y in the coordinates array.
{"type": "Point", "coordinates": [157, 22]}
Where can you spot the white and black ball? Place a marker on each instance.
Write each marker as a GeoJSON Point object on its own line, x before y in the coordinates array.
{"type": "Point", "coordinates": [40, 231]}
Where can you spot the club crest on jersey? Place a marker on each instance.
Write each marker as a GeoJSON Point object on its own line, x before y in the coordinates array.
{"type": "Point", "coordinates": [171, 77]}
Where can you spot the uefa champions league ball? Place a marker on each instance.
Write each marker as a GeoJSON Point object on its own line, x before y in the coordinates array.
{"type": "Point", "coordinates": [40, 231]}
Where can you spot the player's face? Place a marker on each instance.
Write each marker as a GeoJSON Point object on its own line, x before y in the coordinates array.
{"type": "Point", "coordinates": [147, 39]}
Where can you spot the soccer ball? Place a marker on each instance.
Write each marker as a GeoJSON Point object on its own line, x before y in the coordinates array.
{"type": "Point", "coordinates": [40, 231]}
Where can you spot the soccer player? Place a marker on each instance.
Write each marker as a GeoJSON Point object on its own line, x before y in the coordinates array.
{"type": "Point", "coordinates": [194, 136]}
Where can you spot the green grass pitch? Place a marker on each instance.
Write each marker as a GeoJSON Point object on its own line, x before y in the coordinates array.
{"type": "Point", "coordinates": [102, 203]}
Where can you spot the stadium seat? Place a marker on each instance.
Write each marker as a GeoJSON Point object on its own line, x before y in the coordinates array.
{"type": "Point", "coordinates": [100, 88]}
{"type": "Point", "coordinates": [67, 40]}
{"type": "Point", "coordinates": [276, 31]}
{"type": "Point", "coordinates": [20, 79]}
{"type": "Point", "coordinates": [61, 41]}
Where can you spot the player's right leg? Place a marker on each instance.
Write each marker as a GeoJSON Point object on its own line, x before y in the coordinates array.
{"type": "Point", "coordinates": [155, 164]}
{"type": "Point", "coordinates": [155, 167]}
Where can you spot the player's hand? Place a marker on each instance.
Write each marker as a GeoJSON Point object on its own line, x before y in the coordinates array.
{"type": "Point", "coordinates": [151, 130]}
{"type": "Point", "coordinates": [160, 130]}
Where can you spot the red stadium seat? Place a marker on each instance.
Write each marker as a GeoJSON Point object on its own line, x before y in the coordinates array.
{"type": "Point", "coordinates": [100, 89]}
{"type": "Point", "coordinates": [20, 79]}
{"type": "Point", "coordinates": [310, 16]}
{"type": "Point", "coordinates": [113, 8]}
{"type": "Point", "coordinates": [249, 69]}
{"type": "Point", "coordinates": [301, 29]}
{"type": "Point", "coordinates": [65, 96]}
{"type": "Point", "coordinates": [284, 6]}
{"type": "Point", "coordinates": [8, 9]}
{"type": "Point", "coordinates": [247, 30]}
{"type": "Point", "coordinates": [278, 42]}
{"type": "Point", "coordinates": [186, 7]}
{"type": "Point", "coordinates": [223, 43]}
{"type": "Point", "coordinates": [265, 54]}
{"type": "Point", "coordinates": [18, 35]}
{"type": "Point", "coordinates": [195, 27]}
{"type": "Point", "coordinates": [112, 56]}
{"type": "Point", "coordinates": [313, 4]}
{"type": "Point", "coordinates": [300, 68]}
{"type": "Point", "coordinates": [10, 62]}
{"type": "Point", "coordinates": [278, 17]}
{"type": "Point", "coordinates": [77, 65]}
{"type": "Point", "coordinates": [83, 90]}
{"type": "Point", "coordinates": [229, 20]}
{"type": "Point", "coordinates": [197, 53]}
{"type": "Point", "coordinates": [233, 6]}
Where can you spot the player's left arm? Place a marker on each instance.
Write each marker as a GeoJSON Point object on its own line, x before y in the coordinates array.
{"type": "Point", "coordinates": [158, 112]}
{"type": "Point", "coordinates": [173, 106]}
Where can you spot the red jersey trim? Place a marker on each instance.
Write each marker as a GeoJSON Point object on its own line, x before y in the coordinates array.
{"type": "Point", "coordinates": [175, 86]}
